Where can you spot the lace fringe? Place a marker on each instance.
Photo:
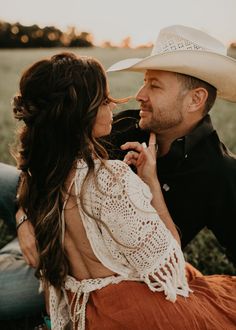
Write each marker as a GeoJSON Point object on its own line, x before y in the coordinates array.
{"type": "Point", "coordinates": [169, 277]}
{"type": "Point", "coordinates": [77, 310]}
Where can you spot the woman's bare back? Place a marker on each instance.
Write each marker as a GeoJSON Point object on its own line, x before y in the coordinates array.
{"type": "Point", "coordinates": [83, 262]}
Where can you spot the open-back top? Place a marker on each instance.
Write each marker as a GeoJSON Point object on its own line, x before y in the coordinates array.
{"type": "Point", "coordinates": [134, 243]}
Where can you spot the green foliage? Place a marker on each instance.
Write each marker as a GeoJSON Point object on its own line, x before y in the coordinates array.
{"type": "Point", "coordinates": [203, 252]}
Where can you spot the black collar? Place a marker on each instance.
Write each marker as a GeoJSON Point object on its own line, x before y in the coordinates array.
{"type": "Point", "coordinates": [126, 122]}
{"type": "Point", "coordinates": [181, 147]}
{"type": "Point", "coordinates": [202, 130]}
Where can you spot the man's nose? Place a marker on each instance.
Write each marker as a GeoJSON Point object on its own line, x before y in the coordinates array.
{"type": "Point", "coordinates": [141, 94]}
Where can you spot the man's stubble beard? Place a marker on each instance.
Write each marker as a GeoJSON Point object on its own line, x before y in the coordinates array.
{"type": "Point", "coordinates": [156, 125]}
{"type": "Point", "coordinates": [162, 121]}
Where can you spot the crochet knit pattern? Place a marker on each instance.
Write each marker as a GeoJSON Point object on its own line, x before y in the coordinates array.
{"type": "Point", "coordinates": [134, 242]}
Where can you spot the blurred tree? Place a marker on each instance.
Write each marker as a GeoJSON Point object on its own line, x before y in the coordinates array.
{"type": "Point", "coordinates": [107, 44]}
{"type": "Point", "coordinates": [20, 36]}
{"type": "Point", "coordinates": [83, 39]}
{"type": "Point", "coordinates": [126, 42]}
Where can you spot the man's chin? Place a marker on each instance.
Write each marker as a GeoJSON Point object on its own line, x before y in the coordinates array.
{"type": "Point", "coordinates": [144, 125]}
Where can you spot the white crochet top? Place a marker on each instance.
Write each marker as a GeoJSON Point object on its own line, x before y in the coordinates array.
{"type": "Point", "coordinates": [147, 251]}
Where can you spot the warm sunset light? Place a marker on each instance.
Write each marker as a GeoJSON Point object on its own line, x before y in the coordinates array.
{"type": "Point", "coordinates": [116, 20]}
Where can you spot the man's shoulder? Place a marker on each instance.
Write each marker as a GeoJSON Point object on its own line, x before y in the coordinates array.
{"type": "Point", "coordinates": [229, 161]}
{"type": "Point", "coordinates": [220, 159]}
{"type": "Point", "coordinates": [223, 153]}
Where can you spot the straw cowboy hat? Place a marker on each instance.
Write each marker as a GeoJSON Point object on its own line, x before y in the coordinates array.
{"type": "Point", "coordinates": [192, 52]}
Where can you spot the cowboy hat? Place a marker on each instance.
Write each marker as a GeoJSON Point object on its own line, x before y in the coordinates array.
{"type": "Point", "coordinates": [192, 52]}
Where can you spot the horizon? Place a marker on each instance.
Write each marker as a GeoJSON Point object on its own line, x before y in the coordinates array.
{"type": "Point", "coordinates": [113, 22]}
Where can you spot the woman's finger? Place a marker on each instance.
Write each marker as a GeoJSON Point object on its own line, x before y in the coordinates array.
{"type": "Point", "coordinates": [152, 139]}
{"type": "Point", "coordinates": [152, 144]}
{"type": "Point", "coordinates": [131, 161]}
{"type": "Point", "coordinates": [141, 159]}
{"type": "Point", "coordinates": [131, 155]}
{"type": "Point", "coordinates": [132, 145]}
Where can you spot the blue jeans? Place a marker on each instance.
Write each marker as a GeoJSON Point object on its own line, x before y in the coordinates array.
{"type": "Point", "coordinates": [19, 296]}
{"type": "Point", "coordinates": [9, 176]}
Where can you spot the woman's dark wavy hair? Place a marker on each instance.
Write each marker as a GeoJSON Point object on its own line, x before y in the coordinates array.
{"type": "Point", "coordinates": [58, 102]}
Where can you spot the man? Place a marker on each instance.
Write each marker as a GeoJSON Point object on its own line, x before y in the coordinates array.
{"type": "Point", "coordinates": [197, 174]}
{"type": "Point", "coordinates": [185, 71]}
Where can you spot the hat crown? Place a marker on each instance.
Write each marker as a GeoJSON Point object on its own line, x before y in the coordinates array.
{"type": "Point", "coordinates": [179, 38]}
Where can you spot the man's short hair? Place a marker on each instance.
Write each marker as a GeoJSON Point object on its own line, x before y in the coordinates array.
{"type": "Point", "coordinates": [190, 83]}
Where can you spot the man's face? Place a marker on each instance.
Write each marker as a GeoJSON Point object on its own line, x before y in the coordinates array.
{"type": "Point", "coordinates": [161, 101]}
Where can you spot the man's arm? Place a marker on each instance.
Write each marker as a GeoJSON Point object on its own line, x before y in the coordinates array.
{"type": "Point", "coordinates": [223, 205]}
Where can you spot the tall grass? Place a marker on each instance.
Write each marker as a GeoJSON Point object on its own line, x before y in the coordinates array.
{"type": "Point", "coordinates": [204, 251]}
{"type": "Point", "coordinates": [14, 62]}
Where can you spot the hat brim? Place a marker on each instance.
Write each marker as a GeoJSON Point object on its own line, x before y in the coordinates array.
{"type": "Point", "coordinates": [216, 69]}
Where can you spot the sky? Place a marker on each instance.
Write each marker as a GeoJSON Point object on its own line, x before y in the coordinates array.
{"type": "Point", "coordinates": [114, 20]}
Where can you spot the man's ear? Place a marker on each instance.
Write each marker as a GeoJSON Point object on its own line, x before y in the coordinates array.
{"type": "Point", "coordinates": [198, 99]}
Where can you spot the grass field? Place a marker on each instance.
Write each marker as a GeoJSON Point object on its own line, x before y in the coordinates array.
{"type": "Point", "coordinates": [204, 251]}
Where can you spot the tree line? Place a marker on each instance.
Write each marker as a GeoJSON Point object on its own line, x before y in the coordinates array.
{"type": "Point", "coordinates": [20, 36]}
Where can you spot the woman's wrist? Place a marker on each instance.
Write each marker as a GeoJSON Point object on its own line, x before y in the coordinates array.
{"type": "Point", "coordinates": [154, 184]}
{"type": "Point", "coordinates": [21, 217]}
{"type": "Point", "coordinates": [20, 220]}
{"type": "Point", "coordinates": [158, 202]}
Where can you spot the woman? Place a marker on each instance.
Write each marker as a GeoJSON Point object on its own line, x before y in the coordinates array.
{"type": "Point", "coordinates": [108, 249]}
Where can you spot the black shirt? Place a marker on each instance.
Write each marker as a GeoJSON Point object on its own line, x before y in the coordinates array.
{"type": "Point", "coordinates": [197, 175]}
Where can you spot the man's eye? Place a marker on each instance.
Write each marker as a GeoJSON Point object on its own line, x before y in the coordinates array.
{"type": "Point", "coordinates": [154, 86]}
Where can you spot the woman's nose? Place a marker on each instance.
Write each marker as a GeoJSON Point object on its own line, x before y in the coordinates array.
{"type": "Point", "coordinates": [112, 106]}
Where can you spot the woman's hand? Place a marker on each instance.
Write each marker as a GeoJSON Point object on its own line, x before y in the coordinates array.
{"type": "Point", "coordinates": [143, 158]}
{"type": "Point", "coordinates": [27, 241]}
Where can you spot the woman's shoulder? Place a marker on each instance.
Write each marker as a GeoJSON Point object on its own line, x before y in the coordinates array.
{"type": "Point", "coordinates": [118, 166]}
{"type": "Point", "coordinates": [123, 179]}
{"type": "Point", "coordinates": [114, 176]}
{"type": "Point", "coordinates": [105, 171]}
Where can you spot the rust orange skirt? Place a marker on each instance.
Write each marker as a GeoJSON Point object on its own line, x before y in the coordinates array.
{"type": "Point", "coordinates": [132, 306]}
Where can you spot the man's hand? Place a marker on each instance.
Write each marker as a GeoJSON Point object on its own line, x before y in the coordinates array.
{"type": "Point", "coordinates": [27, 241]}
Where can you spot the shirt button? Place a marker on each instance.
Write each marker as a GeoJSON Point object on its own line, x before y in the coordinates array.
{"type": "Point", "coordinates": [166, 187]}
{"type": "Point", "coordinates": [186, 156]}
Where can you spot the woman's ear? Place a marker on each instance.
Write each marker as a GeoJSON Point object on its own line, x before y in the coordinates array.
{"type": "Point", "coordinates": [198, 99]}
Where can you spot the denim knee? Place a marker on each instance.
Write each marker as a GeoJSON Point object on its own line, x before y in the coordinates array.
{"type": "Point", "coordinates": [9, 177]}
{"type": "Point", "coordinates": [19, 289]}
